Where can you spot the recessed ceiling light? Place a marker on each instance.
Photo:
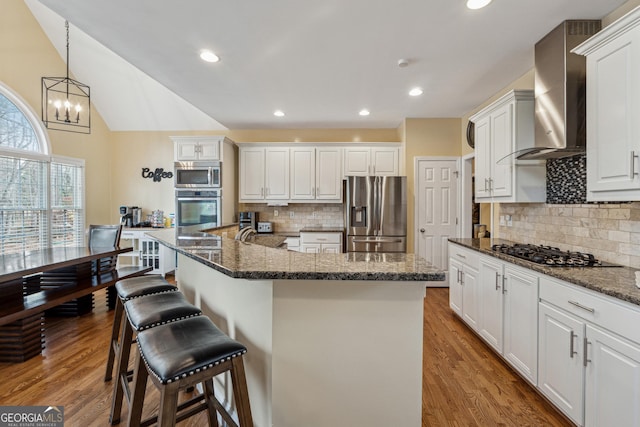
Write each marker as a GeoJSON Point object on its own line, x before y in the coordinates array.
{"type": "Point", "coordinates": [477, 4]}
{"type": "Point", "coordinates": [208, 56]}
{"type": "Point", "coordinates": [364, 112]}
{"type": "Point", "coordinates": [278, 113]}
{"type": "Point", "coordinates": [416, 91]}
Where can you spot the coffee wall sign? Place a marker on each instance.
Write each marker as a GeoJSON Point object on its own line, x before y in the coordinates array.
{"type": "Point", "coordinates": [156, 174]}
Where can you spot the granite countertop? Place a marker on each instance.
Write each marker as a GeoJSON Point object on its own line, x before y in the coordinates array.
{"type": "Point", "coordinates": [618, 282]}
{"type": "Point", "coordinates": [252, 261]}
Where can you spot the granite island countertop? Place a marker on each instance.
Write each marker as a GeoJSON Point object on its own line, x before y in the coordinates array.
{"type": "Point", "coordinates": [252, 261]}
{"type": "Point", "coordinates": [618, 282]}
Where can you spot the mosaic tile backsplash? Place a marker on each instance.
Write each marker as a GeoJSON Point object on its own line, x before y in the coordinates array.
{"type": "Point", "coordinates": [610, 231]}
{"type": "Point", "coordinates": [567, 180]}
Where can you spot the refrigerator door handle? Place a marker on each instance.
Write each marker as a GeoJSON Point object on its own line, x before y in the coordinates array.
{"type": "Point", "coordinates": [377, 240]}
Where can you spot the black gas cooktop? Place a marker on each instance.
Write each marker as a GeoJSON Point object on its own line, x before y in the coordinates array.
{"type": "Point", "coordinates": [550, 256]}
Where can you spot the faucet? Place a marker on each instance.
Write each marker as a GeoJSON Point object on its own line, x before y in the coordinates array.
{"type": "Point", "coordinates": [244, 234]}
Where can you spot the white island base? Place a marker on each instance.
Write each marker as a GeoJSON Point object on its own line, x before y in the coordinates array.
{"type": "Point", "coordinates": [320, 352]}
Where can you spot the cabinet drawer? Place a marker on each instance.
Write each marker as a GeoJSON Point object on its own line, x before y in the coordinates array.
{"type": "Point", "coordinates": [322, 238]}
{"type": "Point", "coordinates": [607, 312]}
{"type": "Point", "coordinates": [129, 235]}
{"type": "Point", "coordinates": [465, 256]}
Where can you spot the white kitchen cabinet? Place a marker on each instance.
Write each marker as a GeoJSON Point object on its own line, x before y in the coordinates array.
{"type": "Point", "coordinates": [276, 173]}
{"type": "Point", "coordinates": [490, 295]}
{"type": "Point", "coordinates": [321, 242]}
{"type": "Point", "coordinates": [251, 171]}
{"type": "Point", "coordinates": [293, 243]}
{"type": "Point", "coordinates": [613, 108]}
{"type": "Point", "coordinates": [500, 302]}
{"type": "Point", "coordinates": [316, 174]}
{"type": "Point", "coordinates": [589, 352]}
{"type": "Point", "coordinates": [146, 252]}
{"type": "Point", "coordinates": [368, 160]}
{"type": "Point", "coordinates": [501, 129]}
{"type": "Point", "coordinates": [264, 174]}
{"type": "Point", "coordinates": [560, 376]}
{"type": "Point", "coordinates": [463, 285]}
{"type": "Point", "coordinates": [197, 148]}
{"type": "Point", "coordinates": [520, 327]}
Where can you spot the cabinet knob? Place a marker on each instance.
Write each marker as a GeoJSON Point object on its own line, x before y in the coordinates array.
{"type": "Point", "coordinates": [422, 230]}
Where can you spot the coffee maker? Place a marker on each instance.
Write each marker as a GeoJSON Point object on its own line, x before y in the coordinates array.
{"type": "Point", "coordinates": [248, 219]}
{"type": "Point", "coordinates": [130, 216]}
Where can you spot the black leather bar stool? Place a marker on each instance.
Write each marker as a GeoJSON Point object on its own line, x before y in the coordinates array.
{"type": "Point", "coordinates": [179, 355]}
{"type": "Point", "coordinates": [143, 313]}
{"type": "Point", "coordinates": [127, 289]}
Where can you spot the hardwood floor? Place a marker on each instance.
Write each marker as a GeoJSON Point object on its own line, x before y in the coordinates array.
{"type": "Point", "coordinates": [464, 383]}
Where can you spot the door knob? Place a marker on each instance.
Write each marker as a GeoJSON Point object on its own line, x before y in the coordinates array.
{"type": "Point", "coordinates": [422, 230]}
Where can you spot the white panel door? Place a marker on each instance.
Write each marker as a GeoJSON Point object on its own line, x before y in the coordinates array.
{"type": "Point", "coordinates": [252, 174]}
{"type": "Point", "coordinates": [612, 393]}
{"type": "Point", "coordinates": [303, 173]}
{"type": "Point", "coordinates": [612, 111]}
{"type": "Point", "coordinates": [561, 374]}
{"type": "Point", "coordinates": [501, 146]}
{"type": "Point", "coordinates": [520, 289]}
{"type": "Point", "coordinates": [277, 173]}
{"type": "Point", "coordinates": [384, 161]}
{"type": "Point", "coordinates": [328, 173]}
{"type": "Point", "coordinates": [483, 168]}
{"type": "Point", "coordinates": [357, 161]}
{"type": "Point", "coordinates": [490, 294]}
{"type": "Point", "coordinates": [437, 210]}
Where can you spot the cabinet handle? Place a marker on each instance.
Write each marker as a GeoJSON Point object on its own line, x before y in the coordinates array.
{"type": "Point", "coordinates": [261, 191]}
{"type": "Point", "coordinates": [577, 304]}
{"type": "Point", "coordinates": [490, 184]}
{"type": "Point", "coordinates": [459, 279]}
{"type": "Point", "coordinates": [497, 279]}
{"type": "Point", "coordinates": [313, 192]}
{"type": "Point", "coordinates": [504, 286]}
{"type": "Point", "coordinates": [374, 169]}
{"type": "Point", "coordinates": [585, 359]}
{"type": "Point", "coordinates": [632, 168]}
{"type": "Point", "coordinates": [461, 256]}
{"type": "Point", "coordinates": [462, 278]}
{"type": "Point", "coordinates": [571, 337]}
{"type": "Point", "coordinates": [485, 184]}
{"type": "Point", "coordinates": [321, 240]}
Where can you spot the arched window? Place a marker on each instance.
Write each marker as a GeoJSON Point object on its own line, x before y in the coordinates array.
{"type": "Point", "coordinates": [41, 196]}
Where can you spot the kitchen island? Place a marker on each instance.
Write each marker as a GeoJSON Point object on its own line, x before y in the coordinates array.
{"type": "Point", "coordinates": [333, 339]}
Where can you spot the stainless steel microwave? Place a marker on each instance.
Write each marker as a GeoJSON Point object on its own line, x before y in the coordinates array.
{"type": "Point", "coordinates": [197, 174]}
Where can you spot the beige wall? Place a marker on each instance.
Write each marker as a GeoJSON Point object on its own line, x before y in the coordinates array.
{"type": "Point", "coordinates": [27, 56]}
{"type": "Point", "coordinates": [426, 137]}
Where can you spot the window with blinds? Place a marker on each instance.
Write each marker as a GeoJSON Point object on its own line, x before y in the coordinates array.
{"type": "Point", "coordinates": [67, 204]}
{"type": "Point", "coordinates": [41, 199]}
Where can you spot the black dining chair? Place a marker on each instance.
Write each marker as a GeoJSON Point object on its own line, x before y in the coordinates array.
{"type": "Point", "coordinates": [104, 236]}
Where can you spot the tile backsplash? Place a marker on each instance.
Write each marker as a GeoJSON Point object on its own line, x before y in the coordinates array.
{"type": "Point", "coordinates": [610, 231]}
{"type": "Point", "coordinates": [304, 215]}
{"type": "Point", "coordinates": [567, 180]}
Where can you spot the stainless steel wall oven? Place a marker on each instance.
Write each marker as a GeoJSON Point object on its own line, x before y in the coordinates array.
{"type": "Point", "coordinates": [195, 207]}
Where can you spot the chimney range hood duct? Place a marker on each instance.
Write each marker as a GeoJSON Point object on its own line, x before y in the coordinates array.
{"type": "Point", "coordinates": [560, 92]}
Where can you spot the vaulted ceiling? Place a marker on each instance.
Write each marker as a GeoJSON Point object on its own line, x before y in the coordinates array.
{"type": "Point", "coordinates": [319, 62]}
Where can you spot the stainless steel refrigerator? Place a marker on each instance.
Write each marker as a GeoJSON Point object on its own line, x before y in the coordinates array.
{"type": "Point", "coordinates": [376, 213]}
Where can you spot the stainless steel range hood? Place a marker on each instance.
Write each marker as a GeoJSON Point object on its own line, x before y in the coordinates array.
{"type": "Point", "coordinates": [560, 92]}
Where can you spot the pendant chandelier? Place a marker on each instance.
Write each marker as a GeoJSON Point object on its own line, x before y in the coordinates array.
{"type": "Point", "coordinates": [66, 103]}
